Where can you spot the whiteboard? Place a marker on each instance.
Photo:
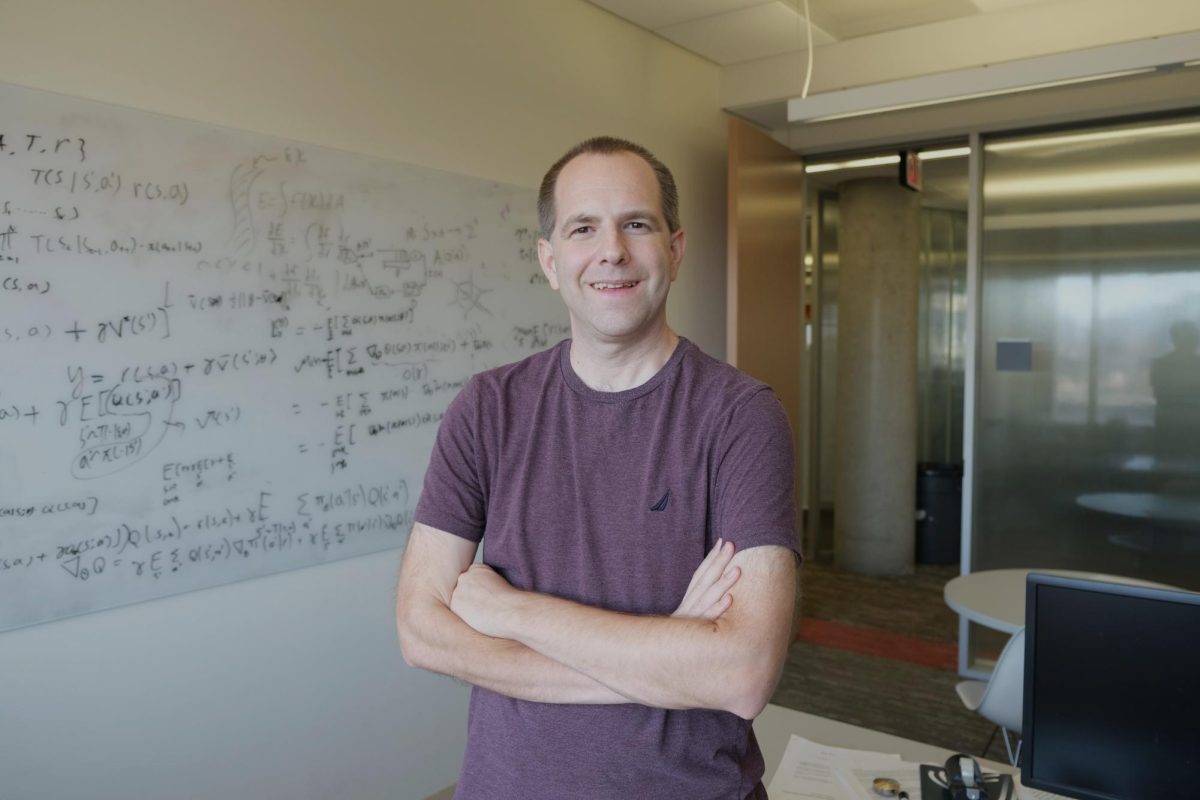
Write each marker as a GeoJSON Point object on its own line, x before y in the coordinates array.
{"type": "Point", "coordinates": [223, 354]}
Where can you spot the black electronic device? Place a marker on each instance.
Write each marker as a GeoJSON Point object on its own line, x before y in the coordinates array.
{"type": "Point", "coordinates": [1112, 690]}
{"type": "Point", "coordinates": [963, 779]}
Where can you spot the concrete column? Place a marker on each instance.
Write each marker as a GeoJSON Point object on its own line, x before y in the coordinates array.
{"type": "Point", "coordinates": [875, 463]}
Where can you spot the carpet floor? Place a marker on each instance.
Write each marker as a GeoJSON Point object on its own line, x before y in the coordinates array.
{"type": "Point", "coordinates": [882, 653]}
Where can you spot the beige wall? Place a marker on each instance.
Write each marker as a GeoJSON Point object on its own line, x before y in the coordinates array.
{"type": "Point", "coordinates": [292, 685]}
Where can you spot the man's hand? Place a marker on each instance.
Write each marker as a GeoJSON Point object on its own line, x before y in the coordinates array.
{"type": "Point", "coordinates": [480, 599]}
{"type": "Point", "coordinates": [707, 595]}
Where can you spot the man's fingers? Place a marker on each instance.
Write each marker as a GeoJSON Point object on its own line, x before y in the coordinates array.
{"type": "Point", "coordinates": [715, 611]}
{"type": "Point", "coordinates": [720, 589]}
{"type": "Point", "coordinates": [709, 602]}
{"type": "Point", "coordinates": [730, 578]}
{"type": "Point", "coordinates": [705, 569]}
{"type": "Point", "coordinates": [715, 563]}
{"type": "Point", "coordinates": [709, 583]}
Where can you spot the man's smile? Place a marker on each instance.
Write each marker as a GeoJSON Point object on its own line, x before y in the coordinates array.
{"type": "Point", "coordinates": [608, 286]}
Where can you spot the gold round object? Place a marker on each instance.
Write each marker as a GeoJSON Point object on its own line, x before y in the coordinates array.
{"type": "Point", "coordinates": [885, 787]}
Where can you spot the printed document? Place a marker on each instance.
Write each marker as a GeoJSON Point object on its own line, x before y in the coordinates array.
{"type": "Point", "coordinates": [812, 771]}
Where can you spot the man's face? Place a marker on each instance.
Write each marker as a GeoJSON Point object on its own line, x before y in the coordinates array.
{"type": "Point", "coordinates": [611, 256]}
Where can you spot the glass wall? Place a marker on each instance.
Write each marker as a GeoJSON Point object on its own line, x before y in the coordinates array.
{"type": "Point", "coordinates": [1087, 441]}
{"type": "Point", "coordinates": [941, 332]}
{"type": "Point", "coordinates": [941, 322]}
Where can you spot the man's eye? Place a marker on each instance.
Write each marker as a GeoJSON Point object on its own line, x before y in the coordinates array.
{"type": "Point", "coordinates": [638, 226]}
{"type": "Point", "coordinates": [582, 229]}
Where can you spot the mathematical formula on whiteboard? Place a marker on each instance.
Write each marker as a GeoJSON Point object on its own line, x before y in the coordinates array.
{"type": "Point", "coordinates": [224, 355]}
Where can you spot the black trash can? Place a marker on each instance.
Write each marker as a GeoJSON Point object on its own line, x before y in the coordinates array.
{"type": "Point", "coordinates": [939, 513]}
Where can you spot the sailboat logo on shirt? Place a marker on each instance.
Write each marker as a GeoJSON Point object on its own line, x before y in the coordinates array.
{"type": "Point", "coordinates": [661, 505]}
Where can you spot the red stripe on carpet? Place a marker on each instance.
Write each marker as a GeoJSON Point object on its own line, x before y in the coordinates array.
{"type": "Point", "coordinates": [874, 642]}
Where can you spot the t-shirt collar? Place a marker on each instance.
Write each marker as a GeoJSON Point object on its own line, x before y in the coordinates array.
{"type": "Point", "coordinates": [579, 387]}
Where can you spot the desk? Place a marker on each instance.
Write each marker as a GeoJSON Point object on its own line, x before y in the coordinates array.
{"type": "Point", "coordinates": [775, 726]}
{"type": "Point", "coordinates": [995, 598]}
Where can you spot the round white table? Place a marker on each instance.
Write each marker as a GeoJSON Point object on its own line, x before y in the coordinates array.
{"type": "Point", "coordinates": [995, 598]}
{"type": "Point", "coordinates": [1144, 505]}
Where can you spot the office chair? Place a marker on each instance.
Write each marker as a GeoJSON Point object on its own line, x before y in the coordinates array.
{"type": "Point", "coordinates": [999, 699]}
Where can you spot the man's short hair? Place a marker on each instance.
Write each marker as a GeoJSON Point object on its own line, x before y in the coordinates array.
{"type": "Point", "coordinates": [607, 145]}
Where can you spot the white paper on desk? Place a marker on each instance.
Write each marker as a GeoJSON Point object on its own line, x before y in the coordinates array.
{"type": "Point", "coordinates": [806, 771]}
{"type": "Point", "coordinates": [815, 771]}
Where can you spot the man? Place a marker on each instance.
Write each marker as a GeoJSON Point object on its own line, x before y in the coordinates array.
{"type": "Point", "coordinates": [1175, 380]}
{"type": "Point", "coordinates": [617, 645]}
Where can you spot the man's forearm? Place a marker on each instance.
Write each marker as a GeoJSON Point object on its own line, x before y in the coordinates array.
{"type": "Point", "coordinates": [434, 636]}
{"type": "Point", "coordinates": [441, 642]}
{"type": "Point", "coordinates": [659, 661]}
{"type": "Point", "coordinates": [730, 663]}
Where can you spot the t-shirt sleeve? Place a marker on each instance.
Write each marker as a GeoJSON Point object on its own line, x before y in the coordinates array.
{"type": "Point", "coordinates": [453, 498]}
{"type": "Point", "coordinates": [755, 489]}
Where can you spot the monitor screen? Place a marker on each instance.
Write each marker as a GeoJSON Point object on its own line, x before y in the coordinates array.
{"type": "Point", "coordinates": [1112, 690]}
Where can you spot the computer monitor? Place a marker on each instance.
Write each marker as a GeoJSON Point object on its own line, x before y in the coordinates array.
{"type": "Point", "coordinates": [1112, 690]}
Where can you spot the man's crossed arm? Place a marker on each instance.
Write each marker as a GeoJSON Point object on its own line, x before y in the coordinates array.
{"type": "Point", "coordinates": [722, 648]}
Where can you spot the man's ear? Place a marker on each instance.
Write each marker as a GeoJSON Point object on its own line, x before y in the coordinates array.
{"type": "Point", "coordinates": [678, 245]}
{"type": "Point", "coordinates": [546, 259]}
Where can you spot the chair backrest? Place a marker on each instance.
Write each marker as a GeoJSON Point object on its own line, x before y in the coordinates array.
{"type": "Point", "coordinates": [1004, 697]}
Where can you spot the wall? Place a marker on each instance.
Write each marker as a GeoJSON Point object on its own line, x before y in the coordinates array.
{"type": "Point", "coordinates": [292, 685]}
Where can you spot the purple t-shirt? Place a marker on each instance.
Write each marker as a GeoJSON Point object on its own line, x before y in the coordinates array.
{"type": "Point", "coordinates": [610, 499]}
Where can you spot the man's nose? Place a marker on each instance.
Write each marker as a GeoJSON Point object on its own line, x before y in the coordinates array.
{"type": "Point", "coordinates": [613, 249]}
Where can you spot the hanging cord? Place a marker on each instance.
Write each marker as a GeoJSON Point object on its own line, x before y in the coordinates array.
{"type": "Point", "coordinates": [808, 72]}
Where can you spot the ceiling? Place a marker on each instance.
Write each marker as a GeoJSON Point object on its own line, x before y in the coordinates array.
{"type": "Point", "coordinates": [761, 49]}
{"type": "Point", "coordinates": [735, 31]}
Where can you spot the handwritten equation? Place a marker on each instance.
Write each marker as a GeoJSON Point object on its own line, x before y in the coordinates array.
{"type": "Point", "coordinates": [224, 355]}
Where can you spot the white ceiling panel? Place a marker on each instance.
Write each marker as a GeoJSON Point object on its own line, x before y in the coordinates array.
{"type": "Point", "coordinates": [749, 33]}
{"type": "Point", "coordinates": [655, 14]}
{"type": "Point", "coordinates": [731, 32]}
{"type": "Point", "coordinates": [852, 18]}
